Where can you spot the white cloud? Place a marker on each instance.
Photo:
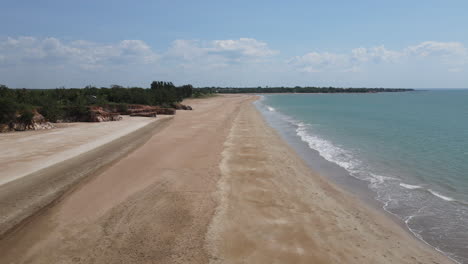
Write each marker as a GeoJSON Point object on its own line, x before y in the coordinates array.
{"type": "Point", "coordinates": [218, 53]}
{"type": "Point", "coordinates": [186, 49]}
{"type": "Point", "coordinates": [84, 54]}
{"type": "Point", "coordinates": [317, 62]}
{"type": "Point", "coordinates": [244, 46]}
{"type": "Point", "coordinates": [325, 61]}
{"type": "Point", "coordinates": [433, 48]}
{"type": "Point", "coordinates": [376, 54]}
{"type": "Point", "coordinates": [452, 54]}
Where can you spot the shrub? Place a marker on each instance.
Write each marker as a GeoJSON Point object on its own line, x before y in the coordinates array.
{"type": "Point", "coordinates": [26, 117]}
{"type": "Point", "coordinates": [8, 110]}
{"type": "Point", "coordinates": [52, 112]}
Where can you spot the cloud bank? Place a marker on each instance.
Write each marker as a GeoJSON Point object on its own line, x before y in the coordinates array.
{"type": "Point", "coordinates": [83, 54]}
{"type": "Point", "coordinates": [451, 54]}
{"type": "Point", "coordinates": [218, 53]}
{"type": "Point", "coordinates": [51, 62]}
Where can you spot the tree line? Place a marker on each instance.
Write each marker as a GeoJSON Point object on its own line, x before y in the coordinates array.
{"type": "Point", "coordinates": [18, 105]}
{"type": "Point", "coordinates": [297, 89]}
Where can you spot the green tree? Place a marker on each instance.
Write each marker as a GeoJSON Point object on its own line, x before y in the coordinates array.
{"type": "Point", "coordinates": [8, 109]}
{"type": "Point", "coordinates": [51, 111]}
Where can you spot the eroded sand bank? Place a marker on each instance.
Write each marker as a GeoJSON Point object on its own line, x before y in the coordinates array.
{"type": "Point", "coordinates": [217, 185]}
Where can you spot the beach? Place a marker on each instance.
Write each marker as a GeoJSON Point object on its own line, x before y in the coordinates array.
{"type": "Point", "coordinates": [215, 184]}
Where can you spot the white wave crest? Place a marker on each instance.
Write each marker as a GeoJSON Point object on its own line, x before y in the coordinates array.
{"type": "Point", "coordinates": [409, 186]}
{"type": "Point", "coordinates": [326, 149]}
{"type": "Point", "coordinates": [446, 198]}
{"type": "Point", "coordinates": [340, 156]}
{"type": "Point", "coordinates": [271, 109]}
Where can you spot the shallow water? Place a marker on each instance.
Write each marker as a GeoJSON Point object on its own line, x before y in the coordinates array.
{"type": "Point", "coordinates": [411, 149]}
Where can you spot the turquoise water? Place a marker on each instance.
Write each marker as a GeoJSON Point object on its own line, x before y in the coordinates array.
{"type": "Point", "coordinates": [410, 148]}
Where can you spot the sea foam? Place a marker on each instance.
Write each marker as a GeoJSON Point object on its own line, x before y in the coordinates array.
{"type": "Point", "coordinates": [325, 148]}
{"type": "Point", "coordinates": [410, 187]}
{"type": "Point", "coordinates": [443, 197]}
{"type": "Point", "coordinates": [415, 187]}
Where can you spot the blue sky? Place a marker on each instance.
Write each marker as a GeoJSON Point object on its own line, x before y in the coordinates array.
{"type": "Point", "coordinates": [416, 44]}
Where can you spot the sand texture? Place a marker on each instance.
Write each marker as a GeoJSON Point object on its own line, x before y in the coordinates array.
{"type": "Point", "coordinates": [217, 185]}
{"type": "Point", "coordinates": [28, 195]}
{"type": "Point", "coordinates": [22, 153]}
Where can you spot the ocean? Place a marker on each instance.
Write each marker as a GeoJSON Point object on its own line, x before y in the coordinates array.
{"type": "Point", "coordinates": [409, 150]}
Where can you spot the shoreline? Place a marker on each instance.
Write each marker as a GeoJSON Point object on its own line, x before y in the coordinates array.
{"type": "Point", "coordinates": [277, 239]}
{"type": "Point", "coordinates": [338, 175]}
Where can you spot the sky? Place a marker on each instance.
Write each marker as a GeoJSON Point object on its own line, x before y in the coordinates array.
{"type": "Point", "coordinates": [360, 43]}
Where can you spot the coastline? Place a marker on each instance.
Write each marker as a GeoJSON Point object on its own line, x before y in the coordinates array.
{"type": "Point", "coordinates": [273, 206]}
{"type": "Point", "coordinates": [217, 185]}
{"type": "Point", "coordinates": [322, 155]}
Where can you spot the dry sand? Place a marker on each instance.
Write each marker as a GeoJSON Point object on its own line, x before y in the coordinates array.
{"type": "Point", "coordinates": [27, 195]}
{"type": "Point", "coordinates": [216, 184]}
{"type": "Point", "coordinates": [22, 153]}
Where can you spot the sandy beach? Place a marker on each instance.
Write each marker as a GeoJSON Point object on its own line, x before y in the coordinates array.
{"type": "Point", "coordinates": [212, 185]}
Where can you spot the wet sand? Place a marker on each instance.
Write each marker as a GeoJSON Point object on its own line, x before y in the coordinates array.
{"type": "Point", "coordinates": [218, 185]}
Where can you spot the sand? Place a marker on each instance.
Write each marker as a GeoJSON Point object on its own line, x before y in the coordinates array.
{"type": "Point", "coordinates": [28, 195]}
{"type": "Point", "coordinates": [22, 153]}
{"type": "Point", "coordinates": [218, 185]}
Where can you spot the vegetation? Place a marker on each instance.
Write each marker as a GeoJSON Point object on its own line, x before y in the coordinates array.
{"type": "Point", "coordinates": [204, 92]}
{"type": "Point", "coordinates": [8, 110]}
{"type": "Point", "coordinates": [26, 117]}
{"type": "Point", "coordinates": [17, 105]}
